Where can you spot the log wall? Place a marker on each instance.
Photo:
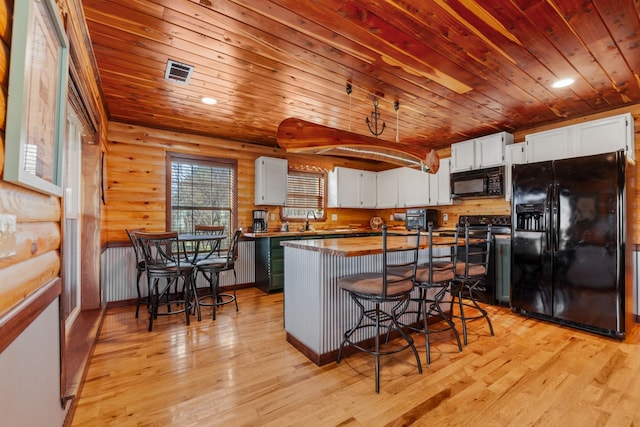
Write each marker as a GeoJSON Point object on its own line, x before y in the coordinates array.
{"type": "Point", "coordinates": [136, 173]}
{"type": "Point", "coordinates": [135, 178]}
{"type": "Point", "coordinates": [37, 258]}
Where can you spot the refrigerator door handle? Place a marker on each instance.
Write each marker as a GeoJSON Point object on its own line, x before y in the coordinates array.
{"type": "Point", "coordinates": [549, 216]}
{"type": "Point", "coordinates": [556, 207]}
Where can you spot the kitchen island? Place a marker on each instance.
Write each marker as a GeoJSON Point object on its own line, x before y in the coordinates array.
{"type": "Point", "coordinates": [316, 311]}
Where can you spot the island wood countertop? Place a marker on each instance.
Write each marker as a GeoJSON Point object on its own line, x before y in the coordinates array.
{"type": "Point", "coordinates": [357, 246]}
{"type": "Point", "coordinates": [344, 231]}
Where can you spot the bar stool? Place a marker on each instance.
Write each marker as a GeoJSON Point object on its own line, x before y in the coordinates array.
{"type": "Point", "coordinates": [433, 281]}
{"type": "Point", "coordinates": [471, 272]}
{"type": "Point", "coordinates": [140, 265]}
{"type": "Point", "coordinates": [393, 284]}
{"type": "Point", "coordinates": [165, 263]}
{"type": "Point", "coordinates": [211, 247]}
{"type": "Point", "coordinates": [211, 267]}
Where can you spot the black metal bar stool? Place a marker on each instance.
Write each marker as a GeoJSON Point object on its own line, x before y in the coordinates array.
{"type": "Point", "coordinates": [140, 265]}
{"type": "Point", "coordinates": [470, 273]}
{"type": "Point", "coordinates": [166, 264]}
{"type": "Point", "coordinates": [393, 285]}
{"type": "Point", "coordinates": [433, 281]}
{"type": "Point", "coordinates": [211, 267]}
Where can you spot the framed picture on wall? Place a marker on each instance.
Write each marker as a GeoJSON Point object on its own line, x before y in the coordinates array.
{"type": "Point", "coordinates": [37, 97]}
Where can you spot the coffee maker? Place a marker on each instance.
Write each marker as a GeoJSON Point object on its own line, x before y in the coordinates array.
{"type": "Point", "coordinates": [260, 220]}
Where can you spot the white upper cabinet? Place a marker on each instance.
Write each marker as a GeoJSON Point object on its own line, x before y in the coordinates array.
{"type": "Point", "coordinates": [490, 149]}
{"type": "Point", "coordinates": [606, 135]}
{"type": "Point", "coordinates": [515, 154]}
{"type": "Point", "coordinates": [368, 189]}
{"type": "Point", "coordinates": [440, 188]}
{"type": "Point", "coordinates": [478, 153]}
{"type": "Point", "coordinates": [413, 188]}
{"type": "Point", "coordinates": [463, 156]}
{"type": "Point", "coordinates": [583, 139]}
{"type": "Point", "coordinates": [351, 188]}
{"type": "Point", "coordinates": [549, 145]}
{"type": "Point", "coordinates": [271, 181]}
{"type": "Point", "coordinates": [387, 189]}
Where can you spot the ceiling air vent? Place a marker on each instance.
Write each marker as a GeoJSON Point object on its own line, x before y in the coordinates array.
{"type": "Point", "coordinates": [178, 72]}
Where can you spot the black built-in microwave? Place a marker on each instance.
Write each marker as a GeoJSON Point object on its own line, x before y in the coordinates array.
{"type": "Point", "coordinates": [478, 183]}
{"type": "Point", "coordinates": [420, 217]}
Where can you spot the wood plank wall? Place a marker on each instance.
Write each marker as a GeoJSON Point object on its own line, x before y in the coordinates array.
{"type": "Point", "coordinates": [135, 178]}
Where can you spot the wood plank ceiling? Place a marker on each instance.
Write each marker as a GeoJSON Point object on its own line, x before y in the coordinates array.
{"type": "Point", "coordinates": [457, 68]}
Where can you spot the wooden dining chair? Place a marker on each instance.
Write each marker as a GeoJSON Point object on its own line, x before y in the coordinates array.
{"type": "Point", "coordinates": [382, 297]}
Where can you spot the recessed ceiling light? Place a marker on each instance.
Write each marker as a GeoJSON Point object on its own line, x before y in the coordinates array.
{"type": "Point", "coordinates": [563, 83]}
{"type": "Point", "coordinates": [209, 101]}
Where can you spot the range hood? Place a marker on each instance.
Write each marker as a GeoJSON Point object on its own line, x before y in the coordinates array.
{"type": "Point", "coordinates": [299, 136]}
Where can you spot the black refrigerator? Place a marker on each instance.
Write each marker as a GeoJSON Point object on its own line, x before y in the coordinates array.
{"type": "Point", "coordinates": [568, 242]}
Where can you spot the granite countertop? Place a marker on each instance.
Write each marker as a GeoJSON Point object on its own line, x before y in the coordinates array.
{"type": "Point", "coordinates": [357, 246]}
{"type": "Point", "coordinates": [346, 230]}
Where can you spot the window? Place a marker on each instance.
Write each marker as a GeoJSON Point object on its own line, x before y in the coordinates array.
{"type": "Point", "coordinates": [305, 192]}
{"type": "Point", "coordinates": [201, 190]}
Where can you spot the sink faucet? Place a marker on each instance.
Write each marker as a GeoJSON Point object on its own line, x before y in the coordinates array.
{"type": "Point", "coordinates": [306, 222]}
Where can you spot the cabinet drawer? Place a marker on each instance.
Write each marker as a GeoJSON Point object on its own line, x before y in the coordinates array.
{"type": "Point", "coordinates": [277, 282]}
{"type": "Point", "coordinates": [277, 266]}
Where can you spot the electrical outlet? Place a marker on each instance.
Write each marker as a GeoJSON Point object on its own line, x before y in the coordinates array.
{"type": "Point", "coordinates": [445, 218]}
{"type": "Point", "coordinates": [334, 217]}
{"type": "Point", "coordinates": [273, 217]}
{"type": "Point", "coordinates": [391, 217]}
{"type": "Point", "coordinates": [7, 235]}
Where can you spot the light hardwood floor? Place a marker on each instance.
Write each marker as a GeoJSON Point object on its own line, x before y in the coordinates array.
{"type": "Point", "coordinates": [239, 371]}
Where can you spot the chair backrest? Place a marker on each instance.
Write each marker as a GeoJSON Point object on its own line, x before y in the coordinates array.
{"type": "Point", "coordinates": [161, 250]}
{"type": "Point", "coordinates": [441, 259]}
{"type": "Point", "coordinates": [209, 229]}
{"type": "Point", "coordinates": [135, 244]}
{"type": "Point", "coordinates": [210, 247]}
{"type": "Point", "coordinates": [473, 262]}
{"type": "Point", "coordinates": [232, 250]}
{"type": "Point", "coordinates": [403, 268]}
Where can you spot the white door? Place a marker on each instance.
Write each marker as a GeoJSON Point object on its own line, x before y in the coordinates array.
{"type": "Point", "coordinates": [71, 248]}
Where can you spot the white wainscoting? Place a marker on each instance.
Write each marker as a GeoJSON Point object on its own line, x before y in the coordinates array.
{"type": "Point", "coordinates": [119, 272]}
{"type": "Point", "coordinates": [317, 311]}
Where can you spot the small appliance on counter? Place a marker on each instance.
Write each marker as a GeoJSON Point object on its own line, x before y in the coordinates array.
{"type": "Point", "coordinates": [260, 220]}
{"type": "Point", "coordinates": [420, 217]}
